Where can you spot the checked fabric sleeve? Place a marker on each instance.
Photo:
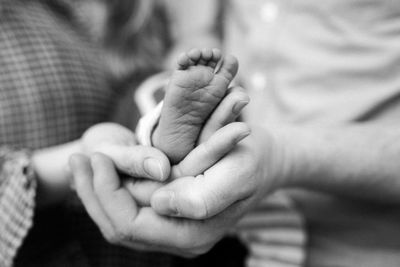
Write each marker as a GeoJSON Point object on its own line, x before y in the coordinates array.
{"type": "Point", "coordinates": [17, 201]}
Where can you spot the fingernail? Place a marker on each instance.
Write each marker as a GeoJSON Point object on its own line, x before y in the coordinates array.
{"type": "Point", "coordinates": [153, 168]}
{"type": "Point", "coordinates": [242, 136]}
{"type": "Point", "coordinates": [237, 108]}
{"type": "Point", "coordinates": [164, 203]}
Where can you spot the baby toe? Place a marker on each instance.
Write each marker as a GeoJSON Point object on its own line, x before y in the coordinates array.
{"type": "Point", "coordinates": [194, 55]}
{"type": "Point", "coordinates": [215, 58]}
{"type": "Point", "coordinates": [183, 61]}
{"type": "Point", "coordinates": [207, 54]}
{"type": "Point", "coordinates": [216, 54]}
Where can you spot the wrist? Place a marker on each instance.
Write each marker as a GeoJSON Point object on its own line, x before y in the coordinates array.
{"type": "Point", "coordinates": [270, 155]}
{"type": "Point", "coordinates": [302, 150]}
{"type": "Point", "coordinates": [52, 172]}
{"type": "Point", "coordinates": [287, 152]}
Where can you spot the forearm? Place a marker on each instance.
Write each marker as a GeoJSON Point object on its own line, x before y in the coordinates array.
{"type": "Point", "coordinates": [354, 160]}
{"type": "Point", "coordinates": [52, 172]}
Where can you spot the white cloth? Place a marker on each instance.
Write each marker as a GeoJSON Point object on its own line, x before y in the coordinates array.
{"type": "Point", "coordinates": [146, 125]}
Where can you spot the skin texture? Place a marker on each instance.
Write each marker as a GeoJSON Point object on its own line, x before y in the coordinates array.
{"type": "Point", "coordinates": [101, 191]}
{"type": "Point", "coordinates": [204, 207]}
{"type": "Point", "coordinates": [194, 91]}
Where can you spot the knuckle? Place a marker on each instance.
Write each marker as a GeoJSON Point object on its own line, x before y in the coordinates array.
{"type": "Point", "coordinates": [117, 237]}
{"type": "Point", "coordinates": [122, 235]}
{"type": "Point", "coordinates": [111, 238]}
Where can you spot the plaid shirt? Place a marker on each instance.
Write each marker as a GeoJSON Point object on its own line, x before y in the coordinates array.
{"type": "Point", "coordinates": [52, 87]}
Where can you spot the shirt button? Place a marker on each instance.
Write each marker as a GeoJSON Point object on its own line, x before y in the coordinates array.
{"type": "Point", "coordinates": [269, 12]}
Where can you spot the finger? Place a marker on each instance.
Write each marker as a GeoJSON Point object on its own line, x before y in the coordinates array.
{"type": "Point", "coordinates": [226, 112]}
{"type": "Point", "coordinates": [139, 161]}
{"type": "Point", "coordinates": [174, 235]}
{"type": "Point", "coordinates": [116, 201]}
{"type": "Point", "coordinates": [209, 152]}
{"type": "Point", "coordinates": [83, 178]}
{"type": "Point", "coordinates": [141, 189]}
{"type": "Point", "coordinates": [201, 197]}
{"type": "Point", "coordinates": [83, 174]}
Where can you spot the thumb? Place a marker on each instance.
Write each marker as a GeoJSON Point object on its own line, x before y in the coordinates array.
{"type": "Point", "coordinates": [119, 144]}
{"type": "Point", "coordinates": [204, 196]}
{"type": "Point", "coordinates": [139, 161]}
{"type": "Point", "coordinates": [181, 198]}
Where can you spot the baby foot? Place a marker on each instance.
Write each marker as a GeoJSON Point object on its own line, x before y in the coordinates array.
{"type": "Point", "coordinates": [194, 91]}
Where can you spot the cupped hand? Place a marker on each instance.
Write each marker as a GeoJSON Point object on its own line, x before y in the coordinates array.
{"type": "Point", "coordinates": [219, 136]}
{"type": "Point", "coordinates": [180, 211]}
{"type": "Point", "coordinates": [216, 200]}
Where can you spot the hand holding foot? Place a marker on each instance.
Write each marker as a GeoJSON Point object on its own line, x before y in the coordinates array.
{"type": "Point", "coordinates": [198, 85]}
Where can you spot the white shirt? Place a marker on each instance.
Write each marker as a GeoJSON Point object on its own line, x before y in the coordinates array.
{"type": "Point", "coordinates": [325, 62]}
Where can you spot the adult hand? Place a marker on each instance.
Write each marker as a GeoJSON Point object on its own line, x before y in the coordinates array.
{"type": "Point", "coordinates": [196, 162]}
{"type": "Point", "coordinates": [119, 143]}
{"type": "Point", "coordinates": [218, 198]}
{"type": "Point", "coordinates": [243, 175]}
